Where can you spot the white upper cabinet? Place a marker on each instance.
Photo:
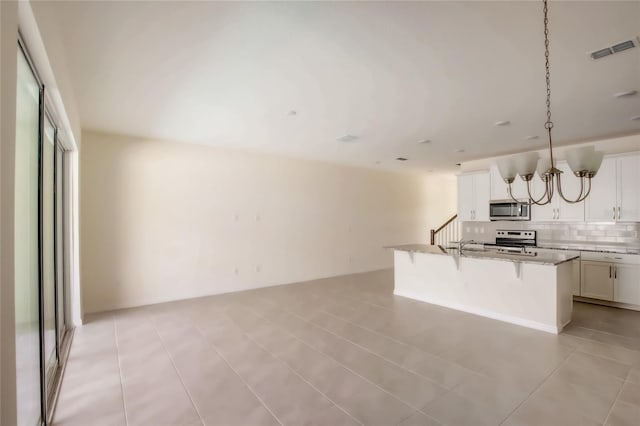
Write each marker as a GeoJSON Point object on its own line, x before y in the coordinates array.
{"type": "Point", "coordinates": [629, 188]}
{"type": "Point", "coordinates": [473, 197]}
{"type": "Point", "coordinates": [601, 203]}
{"type": "Point", "coordinates": [570, 212]}
{"type": "Point", "coordinates": [482, 189]}
{"type": "Point", "coordinates": [615, 191]}
{"type": "Point", "coordinates": [558, 209]}
{"type": "Point", "coordinates": [545, 213]}
{"type": "Point", "coordinates": [499, 187]}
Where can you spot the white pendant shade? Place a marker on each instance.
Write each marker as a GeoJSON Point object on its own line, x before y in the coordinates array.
{"type": "Point", "coordinates": [595, 161]}
{"type": "Point", "coordinates": [585, 158]}
{"type": "Point", "coordinates": [525, 164]}
{"type": "Point", "coordinates": [507, 169]}
{"type": "Point", "coordinates": [544, 164]}
{"type": "Point", "coordinates": [579, 158]}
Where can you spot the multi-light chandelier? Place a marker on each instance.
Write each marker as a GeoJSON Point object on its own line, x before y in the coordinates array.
{"type": "Point", "coordinates": [584, 161]}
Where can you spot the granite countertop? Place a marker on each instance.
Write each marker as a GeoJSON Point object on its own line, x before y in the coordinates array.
{"type": "Point", "coordinates": [479, 253]}
{"type": "Point", "coordinates": [602, 248]}
{"type": "Point", "coordinates": [578, 246]}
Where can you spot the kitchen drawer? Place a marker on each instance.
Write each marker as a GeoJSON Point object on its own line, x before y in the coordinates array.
{"type": "Point", "coordinates": [633, 259]}
{"type": "Point", "coordinates": [552, 250]}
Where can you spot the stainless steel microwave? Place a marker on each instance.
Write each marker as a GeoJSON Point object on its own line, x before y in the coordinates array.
{"type": "Point", "coordinates": [509, 210]}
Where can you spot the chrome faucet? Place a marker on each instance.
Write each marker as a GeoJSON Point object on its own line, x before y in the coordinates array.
{"type": "Point", "coordinates": [462, 243]}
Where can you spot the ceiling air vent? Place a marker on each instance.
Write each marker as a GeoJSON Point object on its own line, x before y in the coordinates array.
{"type": "Point", "coordinates": [623, 46]}
{"type": "Point", "coordinates": [601, 53]}
{"type": "Point", "coordinates": [616, 48]}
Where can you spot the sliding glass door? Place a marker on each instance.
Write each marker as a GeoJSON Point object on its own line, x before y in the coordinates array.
{"type": "Point", "coordinates": [61, 293]}
{"type": "Point", "coordinates": [27, 258]}
{"type": "Point", "coordinates": [48, 251]}
{"type": "Point", "coordinates": [40, 286]}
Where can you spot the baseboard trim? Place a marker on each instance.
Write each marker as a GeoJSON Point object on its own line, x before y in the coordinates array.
{"type": "Point", "coordinates": [607, 303]}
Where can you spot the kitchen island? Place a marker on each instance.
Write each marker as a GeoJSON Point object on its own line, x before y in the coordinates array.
{"type": "Point", "coordinates": [532, 291]}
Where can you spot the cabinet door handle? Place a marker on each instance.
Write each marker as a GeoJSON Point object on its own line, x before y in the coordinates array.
{"type": "Point", "coordinates": [614, 213]}
{"type": "Point", "coordinates": [615, 272]}
{"type": "Point", "coordinates": [609, 271]}
{"type": "Point", "coordinates": [618, 212]}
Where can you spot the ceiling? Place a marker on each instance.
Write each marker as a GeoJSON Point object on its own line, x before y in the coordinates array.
{"type": "Point", "coordinates": [291, 77]}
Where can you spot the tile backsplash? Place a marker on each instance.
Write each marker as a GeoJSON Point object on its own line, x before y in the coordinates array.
{"type": "Point", "coordinates": [614, 233]}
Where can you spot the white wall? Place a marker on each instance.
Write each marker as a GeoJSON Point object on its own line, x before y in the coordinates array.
{"type": "Point", "coordinates": [41, 34]}
{"type": "Point", "coordinates": [8, 55]}
{"type": "Point", "coordinates": [163, 221]}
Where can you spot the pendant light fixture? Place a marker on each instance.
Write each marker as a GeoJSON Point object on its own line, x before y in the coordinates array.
{"type": "Point", "coordinates": [584, 161]}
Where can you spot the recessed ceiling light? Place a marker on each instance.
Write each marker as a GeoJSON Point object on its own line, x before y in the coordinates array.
{"type": "Point", "coordinates": [347, 138]}
{"type": "Point", "coordinates": [401, 159]}
{"type": "Point", "coordinates": [292, 112]}
{"type": "Point", "coordinates": [532, 137]}
{"type": "Point", "coordinates": [459, 150]}
{"type": "Point", "coordinates": [625, 94]}
{"type": "Point", "coordinates": [424, 141]}
{"type": "Point", "coordinates": [502, 123]}
{"type": "Point", "coordinates": [636, 117]}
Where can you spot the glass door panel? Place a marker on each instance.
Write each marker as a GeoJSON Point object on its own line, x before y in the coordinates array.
{"type": "Point", "coordinates": [60, 269]}
{"type": "Point", "coordinates": [27, 283]}
{"type": "Point", "coordinates": [48, 252]}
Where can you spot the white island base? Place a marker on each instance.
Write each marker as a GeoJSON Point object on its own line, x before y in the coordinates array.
{"type": "Point", "coordinates": [529, 292]}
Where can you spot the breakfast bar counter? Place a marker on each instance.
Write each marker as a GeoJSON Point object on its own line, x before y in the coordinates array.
{"type": "Point", "coordinates": [530, 290]}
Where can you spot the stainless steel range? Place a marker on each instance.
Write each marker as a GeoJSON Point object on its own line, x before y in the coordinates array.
{"type": "Point", "coordinates": [509, 240]}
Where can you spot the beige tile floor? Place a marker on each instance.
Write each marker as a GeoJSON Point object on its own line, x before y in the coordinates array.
{"type": "Point", "coordinates": [345, 351]}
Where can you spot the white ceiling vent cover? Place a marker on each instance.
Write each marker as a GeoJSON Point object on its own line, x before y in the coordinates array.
{"type": "Point", "coordinates": [616, 48]}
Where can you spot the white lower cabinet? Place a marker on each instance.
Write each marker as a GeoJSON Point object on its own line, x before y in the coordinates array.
{"type": "Point", "coordinates": [612, 277]}
{"type": "Point", "coordinates": [626, 284]}
{"type": "Point", "coordinates": [597, 280]}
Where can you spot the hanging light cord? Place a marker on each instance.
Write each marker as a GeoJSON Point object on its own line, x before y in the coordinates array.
{"type": "Point", "coordinates": [551, 177]}
{"type": "Point", "coordinates": [547, 65]}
